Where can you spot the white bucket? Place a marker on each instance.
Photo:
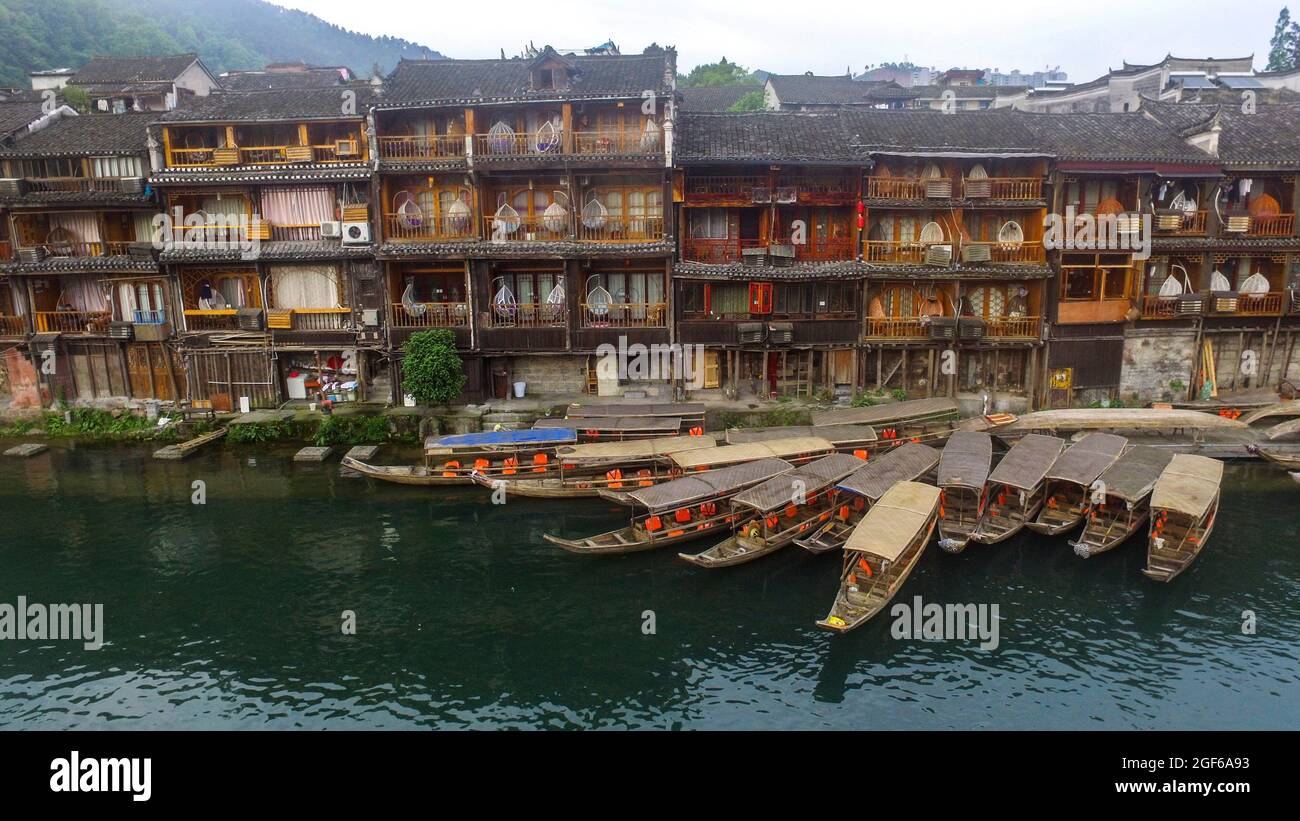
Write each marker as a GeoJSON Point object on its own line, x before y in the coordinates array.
{"type": "Point", "coordinates": [519, 389]}
{"type": "Point", "coordinates": [245, 404]}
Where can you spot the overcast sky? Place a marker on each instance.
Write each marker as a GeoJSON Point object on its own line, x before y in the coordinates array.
{"type": "Point", "coordinates": [828, 36]}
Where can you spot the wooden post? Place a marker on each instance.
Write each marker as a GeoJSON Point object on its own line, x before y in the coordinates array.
{"type": "Point", "coordinates": [929, 382]}
{"type": "Point", "coordinates": [880, 368]}
{"type": "Point", "coordinates": [566, 119]}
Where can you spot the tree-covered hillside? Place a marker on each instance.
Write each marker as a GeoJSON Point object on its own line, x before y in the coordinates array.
{"type": "Point", "coordinates": [227, 34]}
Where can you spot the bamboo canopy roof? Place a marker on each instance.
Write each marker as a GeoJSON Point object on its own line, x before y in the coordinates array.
{"type": "Point", "coordinates": [893, 522]}
{"type": "Point", "coordinates": [699, 487]}
{"type": "Point", "coordinates": [901, 464]}
{"type": "Point", "coordinates": [1084, 461]}
{"type": "Point", "coordinates": [615, 424]}
{"type": "Point", "coordinates": [499, 440]}
{"type": "Point", "coordinates": [838, 435]}
{"type": "Point", "coordinates": [914, 410]}
{"type": "Point", "coordinates": [1075, 419]}
{"type": "Point", "coordinates": [1189, 484]}
{"type": "Point", "coordinates": [634, 449]}
{"type": "Point", "coordinates": [814, 477]}
{"type": "Point", "coordinates": [1135, 473]}
{"type": "Point", "coordinates": [606, 409]}
{"type": "Point", "coordinates": [1291, 408]}
{"type": "Point", "coordinates": [1027, 462]}
{"type": "Point", "coordinates": [1284, 429]}
{"type": "Point", "coordinates": [965, 460]}
{"type": "Point", "coordinates": [731, 454]}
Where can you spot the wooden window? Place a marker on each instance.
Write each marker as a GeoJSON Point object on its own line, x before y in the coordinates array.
{"type": "Point", "coordinates": [760, 297]}
{"type": "Point", "coordinates": [695, 300]}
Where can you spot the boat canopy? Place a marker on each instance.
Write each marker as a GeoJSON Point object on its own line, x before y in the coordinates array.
{"type": "Point", "coordinates": [1084, 461]}
{"type": "Point", "coordinates": [780, 491]}
{"type": "Point", "coordinates": [615, 424]}
{"type": "Point", "coordinates": [773, 448]}
{"type": "Point", "coordinates": [1073, 419]}
{"type": "Point", "coordinates": [1291, 408]}
{"type": "Point", "coordinates": [584, 410]}
{"type": "Point", "coordinates": [1028, 461]}
{"type": "Point", "coordinates": [498, 439]}
{"type": "Point", "coordinates": [1189, 485]}
{"type": "Point", "coordinates": [633, 450]}
{"type": "Point", "coordinates": [892, 523]}
{"type": "Point", "coordinates": [965, 460]}
{"type": "Point", "coordinates": [904, 463]}
{"type": "Point", "coordinates": [699, 487]}
{"type": "Point", "coordinates": [1283, 429]}
{"type": "Point", "coordinates": [838, 435]}
{"type": "Point", "coordinates": [1135, 473]}
{"type": "Point", "coordinates": [915, 410]}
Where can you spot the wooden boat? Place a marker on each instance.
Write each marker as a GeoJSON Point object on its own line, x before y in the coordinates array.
{"type": "Point", "coordinates": [796, 450]}
{"type": "Point", "coordinates": [1017, 487]}
{"type": "Point", "coordinates": [1282, 430]}
{"type": "Point", "coordinates": [856, 439]}
{"type": "Point", "coordinates": [1289, 409]}
{"type": "Point", "coordinates": [615, 428]}
{"type": "Point", "coordinates": [679, 510]}
{"type": "Point", "coordinates": [866, 486]}
{"type": "Point", "coordinates": [771, 515]}
{"type": "Point", "coordinates": [1069, 482]}
{"type": "Point", "coordinates": [455, 458]}
{"type": "Point", "coordinates": [881, 553]}
{"type": "Point", "coordinates": [963, 473]}
{"type": "Point", "coordinates": [691, 414]}
{"type": "Point", "coordinates": [1073, 420]}
{"type": "Point", "coordinates": [1122, 501]}
{"type": "Point", "coordinates": [1184, 505]}
{"type": "Point", "coordinates": [914, 411]}
{"type": "Point", "coordinates": [585, 470]}
{"type": "Point", "coordinates": [1290, 461]}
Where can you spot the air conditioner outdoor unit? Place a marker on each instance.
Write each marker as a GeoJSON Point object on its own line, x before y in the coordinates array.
{"type": "Point", "coordinates": [938, 255]}
{"type": "Point", "coordinates": [131, 185]}
{"type": "Point", "coordinates": [249, 319]}
{"type": "Point", "coordinates": [761, 194]}
{"type": "Point", "coordinates": [356, 233]}
{"type": "Point", "coordinates": [331, 229]}
{"type": "Point", "coordinates": [370, 317]}
{"type": "Point", "coordinates": [11, 187]}
{"type": "Point", "coordinates": [787, 194]}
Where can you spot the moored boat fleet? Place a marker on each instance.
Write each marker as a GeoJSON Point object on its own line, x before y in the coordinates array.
{"type": "Point", "coordinates": [873, 484]}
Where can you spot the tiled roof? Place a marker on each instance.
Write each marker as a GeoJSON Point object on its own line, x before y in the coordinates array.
{"type": "Point", "coordinates": [766, 136]}
{"type": "Point", "coordinates": [453, 81]}
{"type": "Point", "coordinates": [16, 116]}
{"type": "Point", "coordinates": [272, 250]}
{"type": "Point", "coordinates": [510, 250]}
{"type": "Point", "coordinates": [1270, 136]}
{"type": "Point", "coordinates": [923, 131]}
{"type": "Point", "coordinates": [715, 98]}
{"type": "Point", "coordinates": [76, 265]}
{"type": "Point", "coordinates": [244, 174]}
{"type": "Point", "coordinates": [1115, 137]}
{"type": "Point", "coordinates": [967, 92]}
{"type": "Point", "coordinates": [89, 134]}
{"type": "Point", "coordinates": [315, 77]}
{"type": "Point", "coordinates": [800, 270]}
{"type": "Point", "coordinates": [128, 70]}
{"type": "Point", "coordinates": [281, 104]}
{"type": "Point", "coordinates": [807, 89]}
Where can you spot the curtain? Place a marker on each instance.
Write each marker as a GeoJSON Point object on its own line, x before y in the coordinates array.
{"type": "Point", "coordinates": [81, 224]}
{"type": "Point", "coordinates": [115, 166]}
{"type": "Point", "coordinates": [305, 286]}
{"type": "Point", "coordinates": [298, 207]}
{"type": "Point", "coordinates": [82, 293]}
{"type": "Point", "coordinates": [144, 227]}
{"type": "Point", "coordinates": [729, 299]}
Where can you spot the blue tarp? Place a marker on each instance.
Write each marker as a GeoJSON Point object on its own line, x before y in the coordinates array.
{"type": "Point", "coordinates": [531, 436]}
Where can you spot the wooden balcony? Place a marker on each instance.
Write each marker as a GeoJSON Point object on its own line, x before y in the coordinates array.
{"type": "Point", "coordinates": [344, 151]}
{"type": "Point", "coordinates": [308, 319]}
{"type": "Point", "coordinates": [11, 326]}
{"type": "Point", "coordinates": [1160, 307]}
{"type": "Point", "coordinates": [525, 229]}
{"type": "Point", "coordinates": [211, 320]}
{"type": "Point", "coordinates": [1004, 188]}
{"type": "Point", "coordinates": [424, 147]}
{"type": "Point", "coordinates": [429, 315]}
{"type": "Point", "coordinates": [895, 188]}
{"type": "Point", "coordinates": [1280, 225]}
{"type": "Point", "coordinates": [579, 144]}
{"type": "Point", "coordinates": [83, 185]}
{"type": "Point", "coordinates": [405, 228]}
{"type": "Point", "coordinates": [717, 251]}
{"type": "Point", "coordinates": [1024, 253]}
{"type": "Point", "coordinates": [83, 249]}
{"type": "Point", "coordinates": [1192, 225]}
{"type": "Point", "coordinates": [72, 322]}
{"type": "Point", "coordinates": [625, 315]}
{"type": "Point", "coordinates": [901, 327]}
{"type": "Point", "coordinates": [1269, 304]}
{"type": "Point", "coordinates": [1012, 327]}
{"type": "Point", "coordinates": [839, 249]}
{"type": "Point", "coordinates": [528, 315]}
{"type": "Point", "coordinates": [912, 253]}
{"type": "Point", "coordinates": [596, 143]}
{"type": "Point", "coordinates": [623, 229]}
{"type": "Point", "coordinates": [722, 189]}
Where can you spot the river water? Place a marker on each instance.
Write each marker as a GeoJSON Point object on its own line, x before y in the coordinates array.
{"type": "Point", "coordinates": [229, 614]}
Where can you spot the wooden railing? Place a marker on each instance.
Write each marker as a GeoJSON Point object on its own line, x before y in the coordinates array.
{"type": "Point", "coordinates": [717, 251]}
{"type": "Point", "coordinates": [1279, 225]}
{"type": "Point", "coordinates": [1011, 188]}
{"type": "Point", "coordinates": [826, 250]}
{"type": "Point", "coordinates": [429, 315]}
{"type": "Point", "coordinates": [1159, 307]}
{"type": "Point", "coordinates": [75, 185]}
{"type": "Point", "coordinates": [720, 189]}
{"type": "Point", "coordinates": [264, 155]}
{"type": "Point", "coordinates": [1012, 327]}
{"type": "Point", "coordinates": [1024, 253]}
{"type": "Point", "coordinates": [13, 325]}
{"type": "Point", "coordinates": [623, 229]}
{"type": "Point", "coordinates": [1193, 224]}
{"type": "Point", "coordinates": [72, 322]}
{"type": "Point", "coordinates": [618, 142]}
{"type": "Point", "coordinates": [303, 232]}
{"type": "Point", "coordinates": [893, 251]}
{"type": "Point", "coordinates": [580, 143]}
{"type": "Point", "coordinates": [525, 229]}
{"type": "Point", "coordinates": [84, 249]}
{"type": "Point", "coordinates": [1269, 304]}
{"type": "Point", "coordinates": [190, 157]}
{"type": "Point", "coordinates": [900, 327]}
{"type": "Point", "coordinates": [529, 315]}
{"type": "Point", "coordinates": [318, 319]}
{"type": "Point", "coordinates": [406, 228]}
{"type": "Point", "coordinates": [895, 188]}
{"type": "Point", "coordinates": [422, 147]}
{"type": "Point", "coordinates": [625, 315]}
{"type": "Point", "coordinates": [211, 320]}
{"type": "Point", "coordinates": [150, 317]}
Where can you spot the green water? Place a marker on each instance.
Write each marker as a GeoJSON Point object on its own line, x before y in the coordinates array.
{"type": "Point", "coordinates": [228, 615]}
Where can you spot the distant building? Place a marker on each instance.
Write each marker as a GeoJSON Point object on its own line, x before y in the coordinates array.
{"type": "Point", "coordinates": [52, 78]}
{"type": "Point", "coordinates": [716, 98]}
{"type": "Point", "coordinates": [121, 84]}
{"type": "Point", "coordinates": [966, 98]}
{"type": "Point", "coordinates": [808, 92]}
{"type": "Point", "coordinates": [287, 75]}
{"type": "Point", "coordinates": [1174, 79]}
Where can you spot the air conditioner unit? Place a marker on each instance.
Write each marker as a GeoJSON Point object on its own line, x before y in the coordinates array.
{"type": "Point", "coordinates": [131, 185]}
{"type": "Point", "coordinates": [938, 189]}
{"type": "Point", "coordinates": [938, 255]}
{"type": "Point", "coordinates": [356, 233]}
{"type": "Point", "coordinates": [943, 327]}
{"type": "Point", "coordinates": [31, 254]}
{"type": "Point", "coordinates": [976, 253]}
{"type": "Point", "coordinates": [370, 317]}
{"type": "Point", "coordinates": [249, 319]}
{"type": "Point", "coordinates": [121, 330]}
{"type": "Point", "coordinates": [969, 327]}
{"type": "Point", "coordinates": [761, 194]}
{"type": "Point", "coordinates": [750, 333]}
{"type": "Point", "coordinates": [1238, 222]}
{"type": "Point", "coordinates": [780, 333]}
{"type": "Point", "coordinates": [346, 148]}
{"type": "Point", "coordinates": [331, 229]}
{"type": "Point", "coordinates": [11, 187]}
{"type": "Point", "coordinates": [787, 194]}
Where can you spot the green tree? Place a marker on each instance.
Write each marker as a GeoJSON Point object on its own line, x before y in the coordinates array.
{"type": "Point", "coordinates": [751, 101]}
{"type": "Point", "coordinates": [721, 73]}
{"type": "Point", "coordinates": [76, 98]}
{"type": "Point", "coordinates": [1286, 40]}
{"type": "Point", "coordinates": [432, 371]}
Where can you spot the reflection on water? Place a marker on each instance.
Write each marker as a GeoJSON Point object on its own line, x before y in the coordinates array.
{"type": "Point", "coordinates": [228, 615]}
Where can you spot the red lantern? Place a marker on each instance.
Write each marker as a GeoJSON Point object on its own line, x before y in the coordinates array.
{"type": "Point", "coordinates": [861, 207]}
{"type": "Point", "coordinates": [862, 222]}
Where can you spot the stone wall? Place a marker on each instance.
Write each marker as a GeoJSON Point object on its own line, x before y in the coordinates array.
{"type": "Point", "coordinates": [1154, 357]}
{"type": "Point", "coordinates": [550, 374]}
